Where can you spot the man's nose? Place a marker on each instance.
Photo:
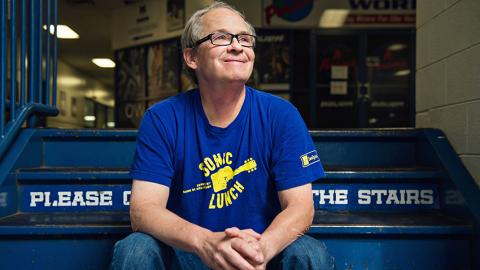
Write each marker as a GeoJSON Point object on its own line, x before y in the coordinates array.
{"type": "Point", "coordinates": [235, 45]}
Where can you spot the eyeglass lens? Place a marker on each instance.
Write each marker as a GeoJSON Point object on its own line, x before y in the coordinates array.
{"type": "Point", "coordinates": [227, 38]}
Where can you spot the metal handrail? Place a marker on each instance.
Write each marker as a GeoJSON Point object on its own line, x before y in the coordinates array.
{"type": "Point", "coordinates": [23, 53]}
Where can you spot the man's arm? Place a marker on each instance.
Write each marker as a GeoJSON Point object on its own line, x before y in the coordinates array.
{"type": "Point", "coordinates": [149, 214]}
{"type": "Point", "coordinates": [292, 222]}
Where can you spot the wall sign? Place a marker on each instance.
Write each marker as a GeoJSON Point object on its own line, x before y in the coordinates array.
{"type": "Point", "coordinates": [339, 13]}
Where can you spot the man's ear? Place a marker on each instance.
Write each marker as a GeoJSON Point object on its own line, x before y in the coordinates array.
{"type": "Point", "coordinates": [190, 58]}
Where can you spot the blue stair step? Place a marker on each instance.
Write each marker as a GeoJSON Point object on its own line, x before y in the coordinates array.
{"type": "Point", "coordinates": [324, 223]}
{"type": "Point", "coordinates": [71, 173]}
{"type": "Point", "coordinates": [87, 173]}
{"type": "Point", "coordinates": [393, 173]}
{"type": "Point", "coordinates": [65, 223]}
{"type": "Point", "coordinates": [426, 223]}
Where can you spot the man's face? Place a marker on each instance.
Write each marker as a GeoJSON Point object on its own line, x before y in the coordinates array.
{"type": "Point", "coordinates": [232, 63]}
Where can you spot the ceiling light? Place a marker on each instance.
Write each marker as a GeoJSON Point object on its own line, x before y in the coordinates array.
{"type": "Point", "coordinates": [89, 118]}
{"type": "Point", "coordinates": [397, 47]}
{"type": "Point", "coordinates": [403, 72]}
{"type": "Point", "coordinates": [104, 62]}
{"type": "Point", "coordinates": [333, 18]}
{"type": "Point", "coordinates": [70, 81]}
{"type": "Point", "coordinates": [63, 31]}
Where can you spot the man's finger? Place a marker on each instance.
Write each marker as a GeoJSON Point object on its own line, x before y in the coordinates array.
{"type": "Point", "coordinates": [253, 233]}
{"type": "Point", "coordinates": [235, 232]}
{"type": "Point", "coordinates": [221, 263]}
{"type": "Point", "coordinates": [233, 258]}
{"type": "Point", "coordinates": [249, 250]}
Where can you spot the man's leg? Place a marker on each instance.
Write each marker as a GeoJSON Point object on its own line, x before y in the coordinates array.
{"type": "Point", "coordinates": [305, 253]}
{"type": "Point", "coordinates": [142, 251]}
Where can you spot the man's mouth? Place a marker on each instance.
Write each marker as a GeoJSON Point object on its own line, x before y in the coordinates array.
{"type": "Point", "coordinates": [234, 60]}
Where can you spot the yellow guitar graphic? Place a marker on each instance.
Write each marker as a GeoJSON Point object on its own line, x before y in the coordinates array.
{"type": "Point", "coordinates": [225, 174]}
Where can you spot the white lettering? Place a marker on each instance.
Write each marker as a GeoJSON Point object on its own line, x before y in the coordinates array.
{"type": "Point", "coordinates": [105, 198]}
{"type": "Point", "coordinates": [78, 198]}
{"type": "Point", "coordinates": [379, 193]}
{"type": "Point", "coordinates": [426, 196]}
{"type": "Point", "coordinates": [341, 196]}
{"type": "Point", "coordinates": [35, 197]}
{"type": "Point", "coordinates": [413, 196]}
{"type": "Point", "coordinates": [330, 197]}
{"type": "Point", "coordinates": [92, 198]}
{"type": "Point", "coordinates": [364, 196]}
{"type": "Point", "coordinates": [126, 197]}
{"type": "Point", "coordinates": [64, 198]}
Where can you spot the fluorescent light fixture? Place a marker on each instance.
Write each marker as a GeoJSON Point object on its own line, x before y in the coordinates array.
{"type": "Point", "coordinates": [397, 47]}
{"type": "Point", "coordinates": [104, 62]}
{"type": "Point", "coordinates": [332, 18]}
{"type": "Point", "coordinates": [70, 81]}
{"type": "Point", "coordinates": [89, 118]}
{"type": "Point", "coordinates": [111, 124]}
{"type": "Point", "coordinates": [63, 31]}
{"type": "Point", "coordinates": [403, 72]}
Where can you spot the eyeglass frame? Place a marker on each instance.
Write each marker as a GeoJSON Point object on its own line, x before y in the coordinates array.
{"type": "Point", "coordinates": [209, 37]}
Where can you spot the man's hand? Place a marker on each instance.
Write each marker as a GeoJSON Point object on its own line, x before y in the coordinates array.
{"type": "Point", "coordinates": [247, 243]}
{"type": "Point", "coordinates": [219, 252]}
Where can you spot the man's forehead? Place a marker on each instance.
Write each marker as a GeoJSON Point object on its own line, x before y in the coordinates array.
{"type": "Point", "coordinates": [222, 20]}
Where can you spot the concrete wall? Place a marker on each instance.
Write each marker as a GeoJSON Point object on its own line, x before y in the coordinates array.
{"type": "Point", "coordinates": [448, 74]}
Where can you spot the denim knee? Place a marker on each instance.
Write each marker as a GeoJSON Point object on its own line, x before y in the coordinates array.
{"type": "Point", "coordinates": [305, 253]}
{"type": "Point", "coordinates": [137, 251]}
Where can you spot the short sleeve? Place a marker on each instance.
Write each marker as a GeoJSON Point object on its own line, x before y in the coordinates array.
{"type": "Point", "coordinates": [153, 160]}
{"type": "Point", "coordinates": [295, 161]}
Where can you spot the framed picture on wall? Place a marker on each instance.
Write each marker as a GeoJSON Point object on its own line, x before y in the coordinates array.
{"type": "Point", "coordinates": [62, 104]}
{"type": "Point", "coordinates": [74, 107]}
{"type": "Point", "coordinates": [163, 65]}
{"type": "Point", "coordinates": [175, 14]}
{"type": "Point", "coordinates": [273, 72]}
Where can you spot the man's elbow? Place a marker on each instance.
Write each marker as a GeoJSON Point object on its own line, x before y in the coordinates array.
{"type": "Point", "coordinates": [135, 217]}
{"type": "Point", "coordinates": [309, 214]}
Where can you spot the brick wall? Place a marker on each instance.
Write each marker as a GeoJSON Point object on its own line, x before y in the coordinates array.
{"type": "Point", "coordinates": [448, 74]}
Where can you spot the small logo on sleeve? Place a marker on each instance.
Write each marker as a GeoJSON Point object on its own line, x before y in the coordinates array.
{"type": "Point", "coordinates": [309, 158]}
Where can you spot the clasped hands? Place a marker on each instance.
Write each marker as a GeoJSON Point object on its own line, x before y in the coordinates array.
{"type": "Point", "coordinates": [235, 249]}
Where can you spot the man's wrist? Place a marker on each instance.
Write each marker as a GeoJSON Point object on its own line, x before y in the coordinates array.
{"type": "Point", "coordinates": [199, 241]}
{"type": "Point", "coordinates": [267, 249]}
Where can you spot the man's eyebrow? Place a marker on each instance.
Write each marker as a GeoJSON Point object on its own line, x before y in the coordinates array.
{"type": "Point", "coordinates": [223, 30]}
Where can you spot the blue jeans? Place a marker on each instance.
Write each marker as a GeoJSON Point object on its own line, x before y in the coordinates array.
{"type": "Point", "coordinates": [141, 251]}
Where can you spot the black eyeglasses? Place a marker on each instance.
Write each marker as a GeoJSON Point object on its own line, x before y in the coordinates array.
{"type": "Point", "coordinates": [225, 39]}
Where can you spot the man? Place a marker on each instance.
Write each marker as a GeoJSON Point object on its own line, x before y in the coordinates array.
{"type": "Point", "coordinates": [222, 173]}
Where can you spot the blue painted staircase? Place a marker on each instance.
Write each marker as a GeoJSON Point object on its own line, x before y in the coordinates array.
{"type": "Point", "coordinates": [392, 199]}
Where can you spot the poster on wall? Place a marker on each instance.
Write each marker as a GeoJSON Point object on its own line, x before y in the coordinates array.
{"type": "Point", "coordinates": [130, 73]}
{"type": "Point", "coordinates": [175, 14]}
{"type": "Point", "coordinates": [338, 13]}
{"type": "Point", "coordinates": [273, 71]}
{"type": "Point", "coordinates": [62, 105]}
{"type": "Point", "coordinates": [130, 86]}
{"type": "Point", "coordinates": [163, 68]}
{"type": "Point", "coordinates": [73, 107]}
{"type": "Point", "coordinates": [129, 113]}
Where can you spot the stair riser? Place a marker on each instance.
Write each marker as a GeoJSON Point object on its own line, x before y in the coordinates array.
{"type": "Point", "coordinates": [332, 197]}
{"type": "Point", "coordinates": [372, 197]}
{"type": "Point", "coordinates": [74, 198]}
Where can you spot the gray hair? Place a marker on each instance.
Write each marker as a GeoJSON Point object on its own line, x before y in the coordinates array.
{"type": "Point", "coordinates": [193, 28]}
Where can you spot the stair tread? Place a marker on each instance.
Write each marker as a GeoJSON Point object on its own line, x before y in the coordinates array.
{"type": "Point", "coordinates": [433, 222]}
{"type": "Point", "coordinates": [413, 172]}
{"type": "Point", "coordinates": [78, 173]}
{"type": "Point", "coordinates": [324, 222]}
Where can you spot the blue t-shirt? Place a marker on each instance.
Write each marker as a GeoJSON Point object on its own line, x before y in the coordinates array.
{"type": "Point", "coordinates": [225, 177]}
